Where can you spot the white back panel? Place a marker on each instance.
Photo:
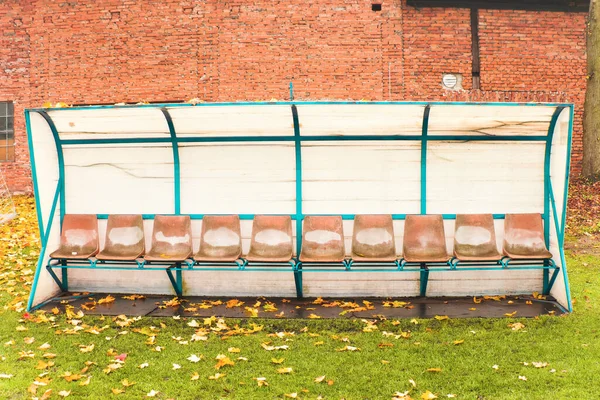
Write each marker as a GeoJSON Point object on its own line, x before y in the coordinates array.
{"type": "Point", "coordinates": [353, 177]}
{"type": "Point", "coordinates": [360, 119]}
{"type": "Point", "coordinates": [273, 120]}
{"type": "Point", "coordinates": [119, 179]}
{"type": "Point", "coordinates": [485, 177]}
{"type": "Point", "coordinates": [110, 123]}
{"type": "Point", "coordinates": [477, 120]}
{"type": "Point", "coordinates": [238, 178]}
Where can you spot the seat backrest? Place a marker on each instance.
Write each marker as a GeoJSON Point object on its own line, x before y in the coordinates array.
{"type": "Point", "coordinates": [221, 237]}
{"type": "Point", "coordinates": [271, 237]}
{"type": "Point", "coordinates": [475, 236]}
{"type": "Point", "coordinates": [125, 234]}
{"type": "Point", "coordinates": [524, 235]}
{"type": "Point", "coordinates": [323, 238]}
{"type": "Point", "coordinates": [373, 236]}
{"type": "Point", "coordinates": [79, 233]}
{"type": "Point", "coordinates": [424, 238]}
{"type": "Point", "coordinates": [172, 234]}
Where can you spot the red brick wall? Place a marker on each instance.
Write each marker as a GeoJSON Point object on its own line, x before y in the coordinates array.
{"type": "Point", "coordinates": [116, 50]}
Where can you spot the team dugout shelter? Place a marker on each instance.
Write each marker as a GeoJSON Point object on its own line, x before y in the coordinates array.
{"type": "Point", "coordinates": [337, 199]}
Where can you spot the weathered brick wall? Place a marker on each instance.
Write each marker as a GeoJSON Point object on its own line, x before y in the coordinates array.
{"type": "Point", "coordinates": [130, 50]}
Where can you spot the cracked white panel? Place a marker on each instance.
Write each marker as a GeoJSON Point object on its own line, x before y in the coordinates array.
{"type": "Point", "coordinates": [110, 123]}
{"type": "Point", "coordinates": [489, 120]}
{"type": "Point", "coordinates": [233, 120]}
{"type": "Point", "coordinates": [361, 177]}
{"type": "Point", "coordinates": [360, 119]}
{"type": "Point", "coordinates": [238, 178]}
{"type": "Point", "coordinates": [485, 177]}
{"type": "Point", "coordinates": [119, 179]}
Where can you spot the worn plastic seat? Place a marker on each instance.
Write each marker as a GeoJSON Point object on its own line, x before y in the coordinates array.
{"type": "Point", "coordinates": [373, 238]}
{"type": "Point", "coordinates": [124, 238]}
{"type": "Point", "coordinates": [322, 239]}
{"type": "Point", "coordinates": [79, 237]}
{"type": "Point", "coordinates": [221, 239]}
{"type": "Point", "coordinates": [475, 238]}
{"type": "Point", "coordinates": [524, 237]}
{"type": "Point", "coordinates": [271, 239]}
{"type": "Point", "coordinates": [171, 239]}
{"type": "Point", "coordinates": [424, 239]}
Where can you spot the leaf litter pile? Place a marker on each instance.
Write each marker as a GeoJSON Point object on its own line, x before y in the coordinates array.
{"type": "Point", "coordinates": [64, 353]}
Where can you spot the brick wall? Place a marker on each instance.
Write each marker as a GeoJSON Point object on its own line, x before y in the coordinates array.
{"type": "Point", "coordinates": [130, 50]}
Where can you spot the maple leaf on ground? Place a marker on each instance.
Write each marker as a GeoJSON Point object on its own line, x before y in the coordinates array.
{"type": "Point", "coordinates": [261, 381]}
{"type": "Point", "coordinates": [516, 326]}
{"type": "Point", "coordinates": [401, 396]}
{"type": "Point", "coordinates": [349, 348]}
{"type": "Point", "coordinates": [152, 393]}
{"type": "Point", "coordinates": [117, 391]}
{"type": "Point", "coordinates": [277, 361]}
{"type": "Point", "coordinates": [126, 383]}
{"type": "Point", "coordinates": [291, 395]}
{"type": "Point", "coordinates": [223, 360]}
{"type": "Point", "coordinates": [285, 370]}
{"type": "Point", "coordinates": [64, 393]}
{"type": "Point", "coordinates": [319, 379]}
{"type": "Point", "coordinates": [194, 358]}
{"type": "Point", "coordinates": [86, 381]}
{"type": "Point", "coordinates": [428, 396]}
{"type": "Point", "coordinates": [106, 300]}
{"type": "Point", "coordinates": [195, 376]}
{"type": "Point", "coordinates": [216, 376]}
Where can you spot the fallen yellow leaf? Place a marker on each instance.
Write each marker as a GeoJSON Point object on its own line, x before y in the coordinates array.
{"type": "Point", "coordinates": [285, 370]}
{"type": "Point", "coordinates": [428, 396]}
{"type": "Point", "coordinates": [434, 370]}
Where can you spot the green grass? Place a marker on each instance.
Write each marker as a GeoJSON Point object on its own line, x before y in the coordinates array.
{"type": "Point", "coordinates": [569, 344]}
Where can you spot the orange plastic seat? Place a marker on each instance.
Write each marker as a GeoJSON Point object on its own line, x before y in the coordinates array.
{"type": "Point", "coordinates": [124, 238]}
{"type": "Point", "coordinates": [373, 238]}
{"type": "Point", "coordinates": [524, 237]}
{"type": "Point", "coordinates": [79, 237]}
{"type": "Point", "coordinates": [424, 239]}
{"type": "Point", "coordinates": [221, 239]}
{"type": "Point", "coordinates": [475, 238]}
{"type": "Point", "coordinates": [171, 239]}
{"type": "Point", "coordinates": [271, 239]}
{"type": "Point", "coordinates": [322, 239]}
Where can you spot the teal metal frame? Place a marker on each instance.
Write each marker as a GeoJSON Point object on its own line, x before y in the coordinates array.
{"type": "Point", "coordinates": [298, 139]}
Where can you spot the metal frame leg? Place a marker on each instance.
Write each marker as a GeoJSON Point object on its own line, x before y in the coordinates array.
{"type": "Point", "coordinates": [62, 287]}
{"type": "Point", "coordinates": [548, 285]}
{"type": "Point", "coordinates": [177, 281]}
{"type": "Point", "coordinates": [298, 279]}
{"type": "Point", "coordinates": [424, 279]}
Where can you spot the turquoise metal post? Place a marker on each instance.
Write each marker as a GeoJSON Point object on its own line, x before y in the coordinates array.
{"type": "Point", "coordinates": [176, 164]}
{"type": "Point", "coordinates": [61, 179]}
{"type": "Point", "coordinates": [547, 199]}
{"type": "Point", "coordinates": [564, 210]}
{"type": "Point", "coordinates": [61, 162]}
{"type": "Point", "coordinates": [45, 237]}
{"type": "Point", "coordinates": [299, 215]}
{"type": "Point", "coordinates": [36, 192]}
{"type": "Point", "coordinates": [424, 129]}
{"type": "Point", "coordinates": [291, 91]}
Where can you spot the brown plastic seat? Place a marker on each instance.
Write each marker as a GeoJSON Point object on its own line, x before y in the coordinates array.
{"type": "Point", "coordinates": [221, 238]}
{"type": "Point", "coordinates": [171, 239]}
{"type": "Point", "coordinates": [79, 237]}
{"type": "Point", "coordinates": [424, 239]}
{"type": "Point", "coordinates": [271, 239]}
{"type": "Point", "coordinates": [524, 237]}
{"type": "Point", "coordinates": [322, 239]}
{"type": "Point", "coordinates": [373, 238]}
{"type": "Point", "coordinates": [475, 238]}
{"type": "Point", "coordinates": [124, 238]}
